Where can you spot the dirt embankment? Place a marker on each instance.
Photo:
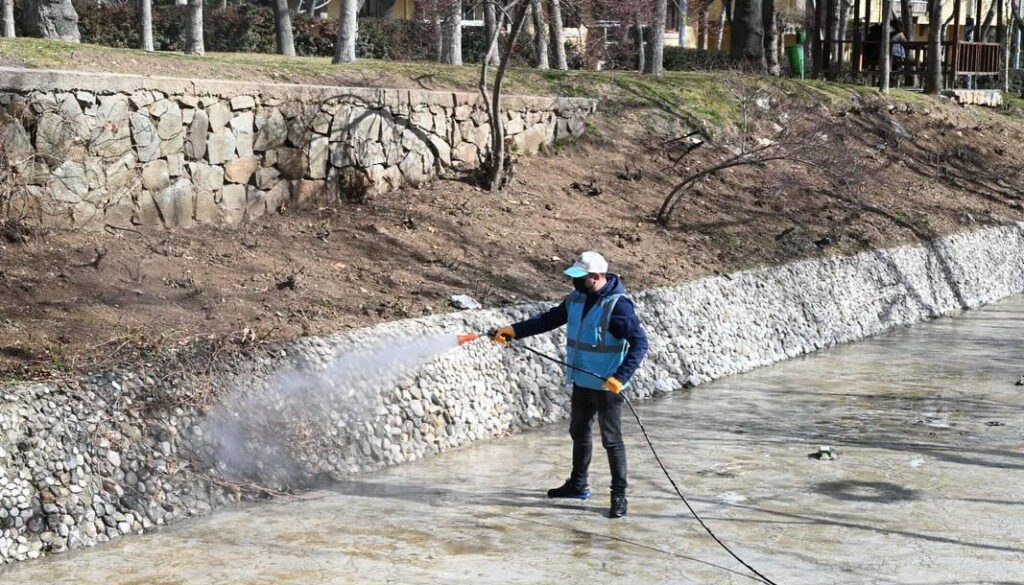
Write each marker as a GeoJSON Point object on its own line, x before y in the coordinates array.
{"type": "Point", "coordinates": [862, 172]}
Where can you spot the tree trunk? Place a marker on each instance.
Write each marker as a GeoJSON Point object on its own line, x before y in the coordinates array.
{"type": "Point", "coordinates": [657, 66]}
{"type": "Point", "coordinates": [844, 31]}
{"type": "Point", "coordinates": [283, 28]}
{"type": "Point", "coordinates": [310, 10]}
{"type": "Point", "coordinates": [986, 28]}
{"type": "Point", "coordinates": [720, 33]}
{"type": "Point", "coordinates": [555, 27]}
{"type": "Point", "coordinates": [146, 24]}
{"type": "Point", "coordinates": [908, 31]}
{"type": "Point", "coordinates": [1004, 41]}
{"type": "Point", "coordinates": [832, 31]}
{"type": "Point", "coordinates": [702, 29]}
{"type": "Point", "coordinates": [490, 25]}
{"type": "Point", "coordinates": [51, 19]}
{"type": "Point", "coordinates": [747, 41]}
{"type": "Point", "coordinates": [820, 16]}
{"type": "Point", "coordinates": [438, 35]}
{"type": "Point", "coordinates": [453, 33]}
{"type": "Point", "coordinates": [194, 29]}
{"type": "Point", "coordinates": [7, 17]}
{"type": "Point", "coordinates": [540, 34]}
{"type": "Point", "coordinates": [933, 69]}
{"type": "Point", "coordinates": [641, 51]}
{"type": "Point", "coordinates": [496, 162]}
{"type": "Point", "coordinates": [681, 8]}
{"type": "Point", "coordinates": [345, 47]}
{"type": "Point", "coordinates": [884, 51]}
{"type": "Point", "coordinates": [1018, 37]}
{"type": "Point", "coordinates": [771, 35]}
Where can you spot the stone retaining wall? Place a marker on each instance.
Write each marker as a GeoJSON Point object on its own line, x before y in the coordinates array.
{"type": "Point", "coordinates": [992, 98]}
{"type": "Point", "coordinates": [85, 461]}
{"type": "Point", "coordinates": [98, 148]}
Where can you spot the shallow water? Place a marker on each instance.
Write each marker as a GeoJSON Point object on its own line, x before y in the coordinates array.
{"type": "Point", "coordinates": [928, 488]}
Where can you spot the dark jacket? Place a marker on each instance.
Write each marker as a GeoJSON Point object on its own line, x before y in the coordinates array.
{"type": "Point", "coordinates": [624, 325]}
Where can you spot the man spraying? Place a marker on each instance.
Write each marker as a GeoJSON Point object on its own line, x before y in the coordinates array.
{"type": "Point", "coordinates": [604, 337]}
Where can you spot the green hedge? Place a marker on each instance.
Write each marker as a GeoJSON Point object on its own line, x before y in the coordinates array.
{"type": "Point", "coordinates": [680, 59]}
{"type": "Point", "coordinates": [624, 57]}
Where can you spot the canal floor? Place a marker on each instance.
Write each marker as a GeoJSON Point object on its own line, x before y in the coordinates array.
{"type": "Point", "coordinates": [928, 488]}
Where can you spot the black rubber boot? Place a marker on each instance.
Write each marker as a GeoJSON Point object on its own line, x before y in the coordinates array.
{"type": "Point", "coordinates": [567, 490]}
{"type": "Point", "coordinates": [618, 507]}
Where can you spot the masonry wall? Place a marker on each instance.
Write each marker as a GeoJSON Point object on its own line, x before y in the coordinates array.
{"type": "Point", "coordinates": [95, 149]}
{"type": "Point", "coordinates": [84, 461]}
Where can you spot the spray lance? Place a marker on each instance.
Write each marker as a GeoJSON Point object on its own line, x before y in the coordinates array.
{"type": "Point", "coordinates": [498, 336]}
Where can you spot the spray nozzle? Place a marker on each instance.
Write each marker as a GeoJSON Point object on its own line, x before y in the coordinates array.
{"type": "Point", "coordinates": [467, 338]}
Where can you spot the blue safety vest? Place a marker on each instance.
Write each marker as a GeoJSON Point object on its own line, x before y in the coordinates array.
{"type": "Point", "coordinates": [589, 345]}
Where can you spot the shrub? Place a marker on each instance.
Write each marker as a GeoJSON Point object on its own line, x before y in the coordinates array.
{"type": "Point", "coordinates": [680, 59]}
{"type": "Point", "coordinates": [396, 40]}
{"type": "Point", "coordinates": [115, 24]}
{"type": "Point", "coordinates": [249, 28]}
{"type": "Point", "coordinates": [314, 37]}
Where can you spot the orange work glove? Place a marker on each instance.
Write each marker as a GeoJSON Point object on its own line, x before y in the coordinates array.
{"type": "Point", "coordinates": [612, 385]}
{"type": "Point", "coordinates": [503, 335]}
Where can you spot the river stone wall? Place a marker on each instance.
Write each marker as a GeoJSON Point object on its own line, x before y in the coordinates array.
{"type": "Point", "coordinates": [92, 459]}
{"type": "Point", "coordinates": [96, 149]}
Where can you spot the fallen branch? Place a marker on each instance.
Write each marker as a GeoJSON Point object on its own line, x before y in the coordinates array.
{"type": "Point", "coordinates": [95, 262]}
{"type": "Point", "coordinates": [149, 244]}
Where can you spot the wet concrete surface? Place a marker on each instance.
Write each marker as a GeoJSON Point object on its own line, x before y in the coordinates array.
{"type": "Point", "coordinates": [928, 488]}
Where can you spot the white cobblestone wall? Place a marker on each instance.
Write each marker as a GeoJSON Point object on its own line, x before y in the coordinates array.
{"type": "Point", "coordinates": [85, 461]}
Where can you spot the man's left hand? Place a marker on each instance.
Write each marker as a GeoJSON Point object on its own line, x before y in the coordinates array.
{"type": "Point", "coordinates": [612, 385]}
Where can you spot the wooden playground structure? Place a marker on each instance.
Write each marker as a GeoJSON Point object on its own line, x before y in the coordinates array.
{"type": "Point", "coordinates": [972, 46]}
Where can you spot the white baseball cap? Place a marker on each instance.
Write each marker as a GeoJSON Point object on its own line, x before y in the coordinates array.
{"type": "Point", "coordinates": [589, 262]}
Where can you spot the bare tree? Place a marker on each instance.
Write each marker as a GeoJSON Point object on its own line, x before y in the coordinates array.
{"type": "Point", "coordinates": [747, 40]}
{"type": "Point", "coordinates": [702, 27]}
{"type": "Point", "coordinates": [682, 7]}
{"type": "Point", "coordinates": [908, 31]}
{"type": "Point", "coordinates": [832, 34]}
{"type": "Point", "coordinates": [51, 19]}
{"type": "Point", "coordinates": [771, 34]}
{"type": "Point", "coordinates": [498, 173]}
{"type": "Point", "coordinates": [641, 47]}
{"type": "Point", "coordinates": [801, 142]}
{"type": "Point", "coordinates": [658, 38]}
{"type": "Point", "coordinates": [490, 26]}
{"type": "Point", "coordinates": [146, 24]}
{"type": "Point", "coordinates": [844, 25]}
{"type": "Point", "coordinates": [933, 69]}
{"type": "Point", "coordinates": [7, 15]}
{"type": "Point", "coordinates": [283, 28]}
{"type": "Point", "coordinates": [540, 34]}
{"type": "Point", "coordinates": [555, 27]}
{"type": "Point", "coordinates": [820, 35]}
{"type": "Point", "coordinates": [884, 52]}
{"type": "Point", "coordinates": [723, 16]}
{"type": "Point", "coordinates": [438, 22]}
{"type": "Point", "coordinates": [345, 47]}
{"type": "Point", "coordinates": [194, 44]}
{"type": "Point", "coordinates": [453, 33]}
{"type": "Point", "coordinates": [309, 7]}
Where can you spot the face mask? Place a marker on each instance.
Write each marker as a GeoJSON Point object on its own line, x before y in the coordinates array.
{"type": "Point", "coordinates": [580, 284]}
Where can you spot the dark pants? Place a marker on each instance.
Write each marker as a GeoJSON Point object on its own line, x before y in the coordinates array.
{"type": "Point", "coordinates": [608, 407]}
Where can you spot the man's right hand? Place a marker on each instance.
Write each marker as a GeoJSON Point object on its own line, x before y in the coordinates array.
{"type": "Point", "coordinates": [503, 335]}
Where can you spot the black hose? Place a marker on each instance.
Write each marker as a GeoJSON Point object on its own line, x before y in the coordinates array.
{"type": "Point", "coordinates": [656, 458]}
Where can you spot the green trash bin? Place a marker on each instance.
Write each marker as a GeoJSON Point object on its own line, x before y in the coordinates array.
{"type": "Point", "coordinates": [795, 54]}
